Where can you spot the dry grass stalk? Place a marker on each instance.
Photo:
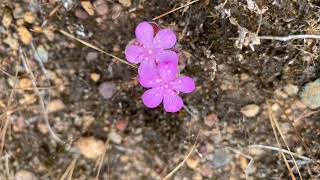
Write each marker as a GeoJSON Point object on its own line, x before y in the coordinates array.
{"type": "Point", "coordinates": [276, 129]}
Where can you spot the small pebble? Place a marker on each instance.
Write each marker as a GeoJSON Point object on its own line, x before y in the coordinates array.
{"type": "Point", "coordinates": [6, 20]}
{"type": "Point", "coordinates": [20, 22]}
{"type": "Point", "coordinates": [101, 7]}
{"type": "Point", "coordinates": [12, 42]}
{"type": "Point", "coordinates": [221, 158]}
{"type": "Point", "coordinates": [91, 56]}
{"type": "Point", "coordinates": [19, 124]}
{"type": "Point", "coordinates": [107, 89]}
{"type": "Point", "coordinates": [25, 83]}
{"type": "Point", "coordinates": [250, 110]}
{"type": "Point", "coordinates": [115, 137]}
{"type": "Point", "coordinates": [87, 121]}
{"type": "Point", "coordinates": [310, 94]}
{"type": "Point", "coordinates": [90, 147]}
{"type": "Point", "coordinates": [41, 54]}
{"type": "Point", "coordinates": [193, 162]}
{"type": "Point", "coordinates": [291, 89]}
{"type": "Point", "coordinates": [55, 106]}
{"type": "Point", "coordinates": [28, 99]}
{"type": "Point", "coordinates": [49, 34]}
{"type": "Point", "coordinates": [68, 4]}
{"type": "Point", "coordinates": [43, 129]}
{"type": "Point", "coordinates": [206, 170]}
{"type": "Point", "coordinates": [280, 94]}
{"type": "Point", "coordinates": [116, 11]}
{"type": "Point", "coordinates": [29, 17]}
{"type": "Point", "coordinates": [125, 3]}
{"type": "Point", "coordinates": [197, 176]}
{"type": "Point", "coordinates": [18, 11]}
{"type": "Point", "coordinates": [87, 6]}
{"type": "Point", "coordinates": [211, 119]}
{"type": "Point", "coordinates": [275, 107]}
{"type": "Point", "coordinates": [25, 35]}
{"type": "Point", "coordinates": [81, 14]}
{"type": "Point", "coordinates": [24, 175]}
{"type": "Point", "coordinates": [95, 77]}
{"type": "Point", "coordinates": [122, 124]}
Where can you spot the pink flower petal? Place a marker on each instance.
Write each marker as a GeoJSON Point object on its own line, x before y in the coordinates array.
{"type": "Point", "coordinates": [148, 76]}
{"type": "Point", "coordinates": [184, 84]}
{"type": "Point", "coordinates": [167, 70]}
{"type": "Point", "coordinates": [165, 39]}
{"type": "Point", "coordinates": [144, 33]}
{"type": "Point", "coordinates": [152, 97]}
{"type": "Point", "coordinates": [167, 55]}
{"type": "Point", "coordinates": [172, 102]}
{"type": "Point", "coordinates": [134, 54]}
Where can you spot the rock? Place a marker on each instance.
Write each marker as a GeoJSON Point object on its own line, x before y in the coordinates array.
{"type": "Point", "coordinates": [101, 7]}
{"type": "Point", "coordinates": [81, 14]}
{"type": "Point", "coordinates": [310, 94]}
{"type": "Point", "coordinates": [116, 11]}
{"type": "Point", "coordinates": [28, 99]}
{"type": "Point", "coordinates": [206, 170]}
{"type": "Point", "coordinates": [90, 147]}
{"type": "Point", "coordinates": [250, 110]}
{"type": "Point", "coordinates": [55, 106]}
{"type": "Point", "coordinates": [87, 121]}
{"type": "Point", "coordinates": [107, 89]}
{"type": "Point", "coordinates": [12, 42]}
{"type": "Point", "coordinates": [2, 30]}
{"type": "Point", "coordinates": [19, 124]}
{"type": "Point", "coordinates": [68, 4]}
{"type": "Point", "coordinates": [49, 34]}
{"type": "Point", "coordinates": [18, 11]}
{"type": "Point", "coordinates": [25, 35]}
{"type": "Point", "coordinates": [24, 175]}
{"type": "Point", "coordinates": [291, 89]}
{"type": "Point", "coordinates": [197, 176]}
{"type": "Point", "coordinates": [211, 119]}
{"type": "Point", "coordinates": [87, 6]}
{"type": "Point", "coordinates": [29, 17]}
{"type": "Point", "coordinates": [41, 54]}
{"type": "Point", "coordinates": [275, 107]}
{"type": "Point", "coordinates": [91, 56]}
{"type": "Point", "coordinates": [193, 162]}
{"type": "Point", "coordinates": [125, 3]}
{"type": "Point", "coordinates": [122, 124]}
{"type": "Point", "coordinates": [221, 158]}
{"type": "Point", "coordinates": [6, 20]}
{"type": "Point", "coordinates": [94, 77]}
{"type": "Point", "coordinates": [115, 137]}
{"type": "Point", "coordinates": [42, 128]}
{"type": "Point", "coordinates": [25, 83]}
{"type": "Point", "coordinates": [280, 94]}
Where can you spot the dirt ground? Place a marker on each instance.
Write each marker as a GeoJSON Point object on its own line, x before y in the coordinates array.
{"type": "Point", "coordinates": [249, 118]}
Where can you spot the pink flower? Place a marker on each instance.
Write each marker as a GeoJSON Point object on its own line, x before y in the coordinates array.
{"type": "Point", "coordinates": [151, 48]}
{"type": "Point", "coordinates": [165, 86]}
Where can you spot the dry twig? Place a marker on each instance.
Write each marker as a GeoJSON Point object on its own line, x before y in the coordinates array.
{"type": "Point", "coordinates": [96, 48]}
{"type": "Point", "coordinates": [41, 99]}
{"type": "Point", "coordinates": [275, 128]}
{"type": "Point", "coordinates": [173, 10]}
{"type": "Point", "coordinates": [67, 175]}
{"type": "Point", "coordinates": [290, 37]}
{"type": "Point", "coordinates": [184, 160]}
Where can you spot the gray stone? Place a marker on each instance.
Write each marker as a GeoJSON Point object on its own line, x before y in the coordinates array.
{"type": "Point", "coordinates": [107, 89]}
{"type": "Point", "coordinates": [310, 94]}
{"type": "Point", "coordinates": [221, 158]}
